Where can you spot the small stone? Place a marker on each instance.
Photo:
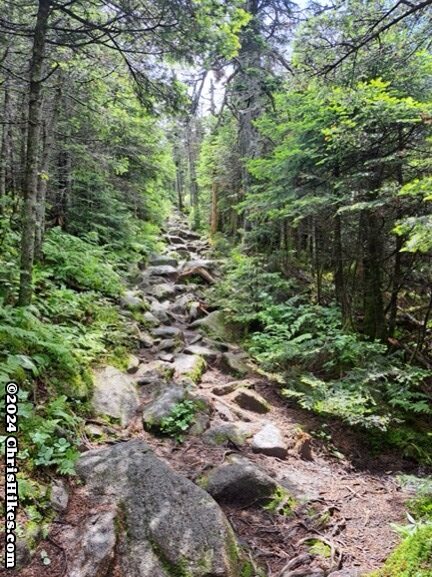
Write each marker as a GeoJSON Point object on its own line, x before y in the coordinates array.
{"type": "Point", "coordinates": [167, 357]}
{"type": "Point", "coordinates": [94, 430]}
{"type": "Point", "coordinates": [251, 401]}
{"type": "Point", "coordinates": [167, 345]}
{"type": "Point", "coordinates": [159, 311]}
{"type": "Point", "coordinates": [151, 319]}
{"type": "Point", "coordinates": [162, 291]}
{"type": "Point", "coordinates": [133, 364]}
{"type": "Point", "coordinates": [168, 332]}
{"type": "Point", "coordinates": [201, 423]}
{"type": "Point", "coordinates": [59, 497]}
{"type": "Point", "coordinates": [145, 340]}
{"type": "Point", "coordinates": [191, 366]}
{"type": "Point", "coordinates": [208, 354]}
{"type": "Point", "coordinates": [162, 405]}
{"type": "Point", "coordinates": [269, 441]}
{"type": "Point", "coordinates": [240, 482]}
{"type": "Point", "coordinates": [132, 301]}
{"type": "Point", "coordinates": [164, 271]}
{"type": "Point", "coordinates": [235, 363]}
{"type": "Point", "coordinates": [222, 390]}
{"type": "Point", "coordinates": [222, 433]}
{"type": "Point", "coordinates": [163, 260]}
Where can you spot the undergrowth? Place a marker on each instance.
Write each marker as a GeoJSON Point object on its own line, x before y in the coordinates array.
{"type": "Point", "coordinates": [326, 368]}
{"type": "Point", "coordinates": [49, 349]}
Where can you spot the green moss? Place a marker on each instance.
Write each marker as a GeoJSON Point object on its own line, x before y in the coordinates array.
{"type": "Point", "coordinates": [247, 570]}
{"type": "Point", "coordinates": [413, 558]}
{"type": "Point", "coordinates": [179, 569]}
{"type": "Point", "coordinates": [281, 502]}
{"type": "Point", "coordinates": [197, 372]}
{"type": "Point", "coordinates": [317, 547]}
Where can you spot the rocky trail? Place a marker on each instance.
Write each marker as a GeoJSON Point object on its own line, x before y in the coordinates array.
{"type": "Point", "coordinates": [250, 490]}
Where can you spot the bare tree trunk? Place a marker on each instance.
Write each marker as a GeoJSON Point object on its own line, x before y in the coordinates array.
{"type": "Point", "coordinates": [4, 152]}
{"type": "Point", "coordinates": [43, 178]}
{"type": "Point", "coordinates": [193, 184]}
{"type": "Point", "coordinates": [374, 317]}
{"type": "Point", "coordinates": [32, 160]}
{"type": "Point", "coordinates": [179, 186]}
{"type": "Point", "coordinates": [214, 216]}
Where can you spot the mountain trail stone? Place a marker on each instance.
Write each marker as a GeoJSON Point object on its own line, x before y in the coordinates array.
{"type": "Point", "coordinates": [269, 441]}
{"type": "Point", "coordinates": [239, 481]}
{"type": "Point", "coordinates": [114, 394]}
{"type": "Point", "coordinates": [166, 522]}
{"type": "Point", "coordinates": [251, 401]}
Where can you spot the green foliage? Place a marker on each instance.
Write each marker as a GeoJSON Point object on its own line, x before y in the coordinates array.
{"type": "Point", "coordinates": [413, 558]}
{"type": "Point", "coordinates": [281, 502]}
{"type": "Point", "coordinates": [326, 368]}
{"type": "Point", "coordinates": [179, 420]}
{"type": "Point", "coordinates": [80, 263]}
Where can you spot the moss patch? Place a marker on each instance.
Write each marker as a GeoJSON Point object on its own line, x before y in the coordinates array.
{"type": "Point", "coordinates": [413, 558]}
{"type": "Point", "coordinates": [281, 502]}
{"type": "Point", "coordinates": [197, 372]}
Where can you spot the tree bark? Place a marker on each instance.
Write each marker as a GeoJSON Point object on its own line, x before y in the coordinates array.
{"type": "Point", "coordinates": [214, 217]}
{"type": "Point", "coordinates": [5, 141]}
{"type": "Point", "coordinates": [32, 157]}
{"type": "Point", "coordinates": [43, 177]}
{"type": "Point", "coordinates": [374, 316]}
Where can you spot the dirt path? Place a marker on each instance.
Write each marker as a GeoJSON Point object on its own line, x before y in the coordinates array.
{"type": "Point", "coordinates": [345, 502]}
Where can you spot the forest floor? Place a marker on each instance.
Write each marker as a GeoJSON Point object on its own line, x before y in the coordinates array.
{"type": "Point", "coordinates": [348, 497]}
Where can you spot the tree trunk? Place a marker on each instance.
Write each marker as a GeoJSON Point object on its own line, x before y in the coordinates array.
{"type": "Point", "coordinates": [4, 152]}
{"type": "Point", "coordinates": [214, 217]}
{"type": "Point", "coordinates": [339, 276]}
{"type": "Point", "coordinates": [193, 184]}
{"type": "Point", "coordinates": [374, 317]}
{"type": "Point", "coordinates": [43, 177]}
{"type": "Point", "coordinates": [32, 159]}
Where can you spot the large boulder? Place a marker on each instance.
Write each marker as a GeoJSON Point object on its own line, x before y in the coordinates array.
{"type": "Point", "coordinates": [239, 481]}
{"type": "Point", "coordinates": [114, 394]}
{"type": "Point", "coordinates": [235, 363]}
{"type": "Point", "coordinates": [164, 524]}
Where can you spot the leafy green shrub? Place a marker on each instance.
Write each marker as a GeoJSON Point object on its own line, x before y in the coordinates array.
{"type": "Point", "coordinates": [179, 420]}
{"type": "Point", "coordinates": [49, 434]}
